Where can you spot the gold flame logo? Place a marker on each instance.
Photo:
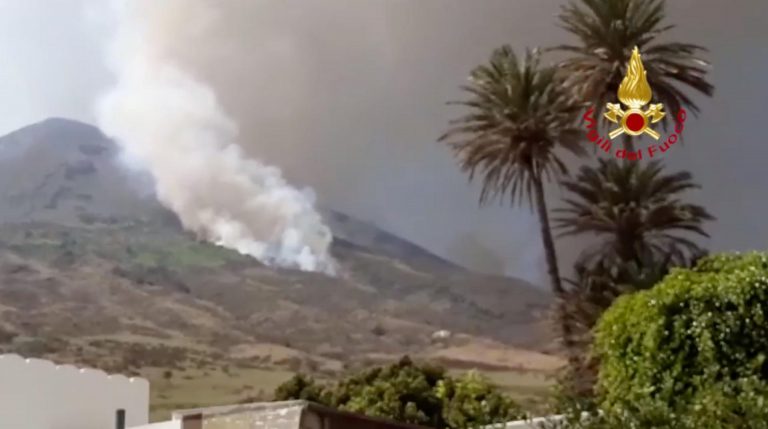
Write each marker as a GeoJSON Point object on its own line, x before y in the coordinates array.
{"type": "Point", "coordinates": [634, 92]}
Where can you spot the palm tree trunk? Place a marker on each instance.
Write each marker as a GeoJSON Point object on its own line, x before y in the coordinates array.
{"type": "Point", "coordinates": [552, 267]}
{"type": "Point", "coordinates": [625, 249]}
{"type": "Point", "coordinates": [629, 145]}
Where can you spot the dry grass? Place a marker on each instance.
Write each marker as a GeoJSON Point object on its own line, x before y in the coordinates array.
{"type": "Point", "coordinates": [205, 387]}
{"type": "Point", "coordinates": [483, 353]}
{"type": "Point", "coordinates": [197, 388]}
{"type": "Point", "coordinates": [530, 389]}
{"type": "Point", "coordinates": [274, 351]}
{"type": "Point", "coordinates": [147, 299]}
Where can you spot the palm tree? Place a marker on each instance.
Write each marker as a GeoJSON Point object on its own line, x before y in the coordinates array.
{"type": "Point", "coordinates": [643, 229]}
{"type": "Point", "coordinates": [520, 119]}
{"type": "Point", "coordinates": [593, 290]}
{"type": "Point", "coordinates": [636, 212]}
{"type": "Point", "coordinates": [634, 227]}
{"type": "Point", "coordinates": [608, 31]}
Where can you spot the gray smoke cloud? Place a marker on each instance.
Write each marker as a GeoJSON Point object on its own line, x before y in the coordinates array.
{"type": "Point", "coordinates": [171, 123]}
{"type": "Point", "coordinates": [348, 97]}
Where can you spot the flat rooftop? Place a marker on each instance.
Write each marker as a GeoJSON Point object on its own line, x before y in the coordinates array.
{"type": "Point", "coordinates": [280, 415]}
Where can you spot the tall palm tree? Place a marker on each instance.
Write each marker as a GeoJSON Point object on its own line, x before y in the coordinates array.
{"type": "Point", "coordinates": [593, 290]}
{"type": "Point", "coordinates": [608, 31]}
{"type": "Point", "coordinates": [643, 228]}
{"type": "Point", "coordinates": [520, 120]}
{"type": "Point", "coordinates": [635, 210]}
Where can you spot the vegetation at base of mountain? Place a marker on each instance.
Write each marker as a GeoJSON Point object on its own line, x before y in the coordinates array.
{"type": "Point", "coordinates": [410, 393]}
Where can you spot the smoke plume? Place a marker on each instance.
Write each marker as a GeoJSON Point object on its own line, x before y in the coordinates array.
{"type": "Point", "coordinates": [172, 124]}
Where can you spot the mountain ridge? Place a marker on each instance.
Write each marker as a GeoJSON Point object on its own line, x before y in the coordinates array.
{"type": "Point", "coordinates": [69, 132]}
{"type": "Point", "coordinates": [94, 268]}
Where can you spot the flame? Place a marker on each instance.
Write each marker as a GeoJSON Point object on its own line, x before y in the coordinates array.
{"type": "Point", "coordinates": [634, 90]}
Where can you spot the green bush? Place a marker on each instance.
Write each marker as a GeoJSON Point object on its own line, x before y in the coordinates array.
{"type": "Point", "coordinates": [410, 393]}
{"type": "Point", "coordinates": [691, 351]}
{"type": "Point", "coordinates": [300, 386]}
{"type": "Point", "coordinates": [470, 401]}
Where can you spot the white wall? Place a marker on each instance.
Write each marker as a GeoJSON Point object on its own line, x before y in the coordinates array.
{"type": "Point", "coordinates": [38, 394]}
{"type": "Point", "coordinates": [170, 424]}
{"type": "Point", "coordinates": [535, 423]}
{"type": "Point", "coordinates": [531, 424]}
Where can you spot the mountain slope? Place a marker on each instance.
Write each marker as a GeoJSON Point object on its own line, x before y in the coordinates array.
{"type": "Point", "coordinates": [91, 263]}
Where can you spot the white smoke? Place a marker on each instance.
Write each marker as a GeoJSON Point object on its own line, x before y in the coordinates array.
{"type": "Point", "coordinates": [172, 124]}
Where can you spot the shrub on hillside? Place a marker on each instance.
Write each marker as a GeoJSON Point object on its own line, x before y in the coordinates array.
{"type": "Point", "coordinates": [39, 347]}
{"type": "Point", "coordinates": [7, 336]}
{"type": "Point", "coordinates": [691, 351]}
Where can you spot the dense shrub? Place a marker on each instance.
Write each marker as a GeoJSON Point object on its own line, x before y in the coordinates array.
{"type": "Point", "coordinates": [7, 336]}
{"type": "Point", "coordinates": [303, 387]}
{"type": "Point", "coordinates": [691, 351]}
{"type": "Point", "coordinates": [39, 347]}
{"type": "Point", "coordinates": [471, 402]}
{"type": "Point", "coordinates": [410, 393]}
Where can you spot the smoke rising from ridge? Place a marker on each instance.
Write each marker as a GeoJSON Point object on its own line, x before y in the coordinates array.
{"type": "Point", "coordinates": [348, 97]}
{"type": "Point", "coordinates": [173, 125]}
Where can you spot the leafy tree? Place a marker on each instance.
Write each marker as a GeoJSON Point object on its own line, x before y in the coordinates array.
{"type": "Point", "coordinates": [471, 402]}
{"type": "Point", "coordinates": [519, 122]}
{"type": "Point", "coordinates": [403, 391]}
{"type": "Point", "coordinates": [700, 358]}
{"type": "Point", "coordinates": [410, 393]}
{"type": "Point", "coordinates": [300, 386]}
{"type": "Point", "coordinates": [592, 291]}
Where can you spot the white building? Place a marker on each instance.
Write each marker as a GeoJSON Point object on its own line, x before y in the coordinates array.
{"type": "Point", "coordinates": [38, 394]}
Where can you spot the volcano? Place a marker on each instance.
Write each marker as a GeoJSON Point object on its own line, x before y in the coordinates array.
{"type": "Point", "coordinates": [94, 270]}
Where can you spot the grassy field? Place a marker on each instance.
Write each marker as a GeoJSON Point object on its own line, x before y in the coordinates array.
{"type": "Point", "coordinates": [208, 326]}
{"type": "Point", "coordinates": [199, 388]}
{"type": "Point", "coordinates": [529, 389]}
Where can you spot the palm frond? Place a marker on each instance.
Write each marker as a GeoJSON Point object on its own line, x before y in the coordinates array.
{"type": "Point", "coordinates": [608, 30]}
{"type": "Point", "coordinates": [519, 121]}
{"type": "Point", "coordinates": [632, 207]}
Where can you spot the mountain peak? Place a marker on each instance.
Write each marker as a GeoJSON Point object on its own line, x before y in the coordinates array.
{"type": "Point", "coordinates": [64, 170]}
{"type": "Point", "coordinates": [55, 121]}
{"type": "Point", "coordinates": [53, 135]}
{"type": "Point", "coordinates": [86, 249]}
{"type": "Point", "coordinates": [58, 129]}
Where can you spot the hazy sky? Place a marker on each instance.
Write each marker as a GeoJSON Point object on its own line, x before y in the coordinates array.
{"type": "Point", "coordinates": [348, 97]}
